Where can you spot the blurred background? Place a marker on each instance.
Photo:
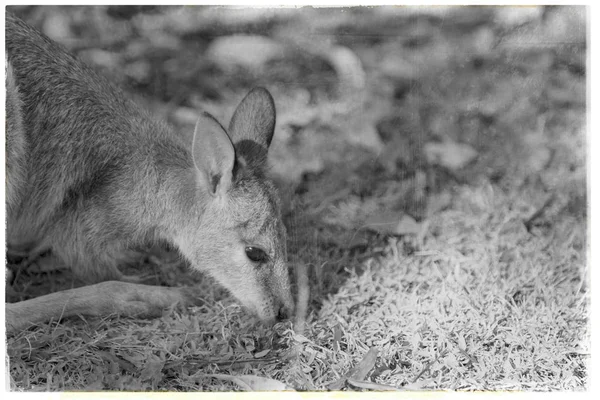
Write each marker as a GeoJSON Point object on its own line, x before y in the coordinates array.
{"type": "Point", "coordinates": [414, 86]}
{"type": "Point", "coordinates": [427, 96]}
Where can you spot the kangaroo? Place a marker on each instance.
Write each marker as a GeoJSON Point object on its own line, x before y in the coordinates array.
{"type": "Point", "coordinates": [89, 175]}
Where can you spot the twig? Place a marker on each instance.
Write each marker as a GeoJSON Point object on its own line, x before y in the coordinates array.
{"type": "Point", "coordinates": [303, 296]}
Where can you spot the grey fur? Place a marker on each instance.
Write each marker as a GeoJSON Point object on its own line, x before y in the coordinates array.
{"type": "Point", "coordinates": [90, 174]}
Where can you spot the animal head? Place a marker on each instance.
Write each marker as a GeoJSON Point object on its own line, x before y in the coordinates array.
{"type": "Point", "coordinates": [240, 240]}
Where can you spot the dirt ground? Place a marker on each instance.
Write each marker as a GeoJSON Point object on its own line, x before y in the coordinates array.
{"type": "Point", "coordinates": [432, 165]}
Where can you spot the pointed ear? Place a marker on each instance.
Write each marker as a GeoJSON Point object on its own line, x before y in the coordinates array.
{"type": "Point", "coordinates": [252, 126]}
{"type": "Point", "coordinates": [213, 154]}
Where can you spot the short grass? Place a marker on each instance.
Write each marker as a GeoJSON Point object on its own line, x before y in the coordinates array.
{"type": "Point", "coordinates": [492, 293]}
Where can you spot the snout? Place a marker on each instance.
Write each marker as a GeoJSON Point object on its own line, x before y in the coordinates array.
{"type": "Point", "coordinates": [284, 312]}
{"type": "Point", "coordinates": [276, 312]}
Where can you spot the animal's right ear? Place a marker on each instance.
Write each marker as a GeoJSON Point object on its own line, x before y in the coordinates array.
{"type": "Point", "coordinates": [213, 154]}
{"type": "Point", "coordinates": [252, 126]}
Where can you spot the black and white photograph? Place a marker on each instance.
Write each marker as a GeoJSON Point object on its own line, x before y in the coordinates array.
{"type": "Point", "coordinates": [345, 198]}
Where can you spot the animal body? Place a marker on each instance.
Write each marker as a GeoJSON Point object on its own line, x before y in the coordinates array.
{"type": "Point", "coordinates": [89, 175]}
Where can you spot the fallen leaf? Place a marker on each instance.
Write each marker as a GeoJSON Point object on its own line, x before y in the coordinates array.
{"type": "Point", "coordinates": [461, 342]}
{"type": "Point", "coordinates": [185, 115]}
{"type": "Point", "coordinates": [57, 26]}
{"type": "Point", "coordinates": [384, 222]}
{"type": "Point", "coordinates": [365, 365]}
{"type": "Point", "coordinates": [399, 67]}
{"type": "Point", "coordinates": [139, 70]}
{"type": "Point", "coordinates": [389, 223]}
{"type": "Point", "coordinates": [449, 154]}
{"type": "Point", "coordinates": [559, 26]}
{"type": "Point", "coordinates": [407, 226]}
{"type": "Point", "coordinates": [153, 370]}
{"type": "Point", "coordinates": [337, 337]}
{"type": "Point", "coordinates": [363, 132]}
{"type": "Point", "coordinates": [101, 58]}
{"type": "Point", "coordinates": [419, 385]}
{"type": "Point", "coordinates": [252, 382]}
{"type": "Point", "coordinates": [450, 361]}
{"type": "Point", "coordinates": [249, 51]}
{"type": "Point", "coordinates": [371, 385]}
{"type": "Point", "coordinates": [360, 371]}
{"type": "Point", "coordinates": [415, 340]}
{"type": "Point", "coordinates": [301, 338]}
{"type": "Point", "coordinates": [510, 17]}
{"type": "Point", "coordinates": [483, 40]}
{"type": "Point", "coordinates": [261, 354]}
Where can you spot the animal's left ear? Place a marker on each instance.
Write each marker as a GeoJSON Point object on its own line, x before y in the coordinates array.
{"type": "Point", "coordinates": [213, 155]}
{"type": "Point", "coordinates": [252, 126]}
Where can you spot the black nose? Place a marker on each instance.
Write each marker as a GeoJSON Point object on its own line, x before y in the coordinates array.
{"type": "Point", "coordinates": [283, 313]}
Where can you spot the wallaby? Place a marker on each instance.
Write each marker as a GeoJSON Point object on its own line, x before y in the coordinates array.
{"type": "Point", "coordinates": [89, 175]}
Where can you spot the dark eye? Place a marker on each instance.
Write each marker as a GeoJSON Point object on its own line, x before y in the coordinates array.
{"type": "Point", "coordinates": [256, 254]}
